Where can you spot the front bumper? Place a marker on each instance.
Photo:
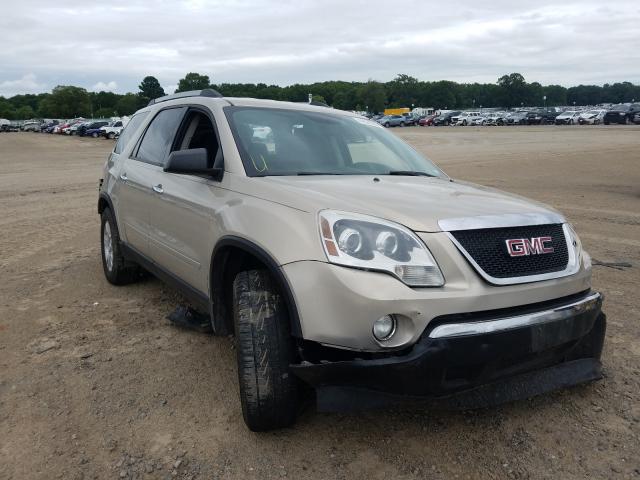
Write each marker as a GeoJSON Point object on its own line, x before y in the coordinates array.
{"type": "Point", "coordinates": [496, 356]}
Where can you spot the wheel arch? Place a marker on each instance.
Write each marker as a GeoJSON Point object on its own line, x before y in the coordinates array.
{"type": "Point", "coordinates": [231, 255]}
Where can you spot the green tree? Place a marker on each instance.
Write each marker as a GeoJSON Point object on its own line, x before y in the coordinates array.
{"type": "Point", "coordinates": [105, 112]}
{"type": "Point", "coordinates": [318, 98]}
{"type": "Point", "coordinates": [373, 95]}
{"type": "Point", "coordinates": [514, 89]}
{"type": "Point", "coordinates": [129, 103]}
{"type": "Point", "coordinates": [6, 109]}
{"type": "Point", "coordinates": [150, 88]}
{"type": "Point", "coordinates": [66, 101]}
{"type": "Point", "coordinates": [193, 81]}
{"type": "Point", "coordinates": [24, 113]}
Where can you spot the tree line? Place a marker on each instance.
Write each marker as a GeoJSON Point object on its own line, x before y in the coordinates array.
{"type": "Point", "coordinates": [510, 91]}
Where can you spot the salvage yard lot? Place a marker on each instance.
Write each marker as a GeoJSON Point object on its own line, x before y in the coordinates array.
{"type": "Point", "coordinates": [94, 382]}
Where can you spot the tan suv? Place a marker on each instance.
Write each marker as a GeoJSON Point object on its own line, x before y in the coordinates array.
{"type": "Point", "coordinates": [350, 268]}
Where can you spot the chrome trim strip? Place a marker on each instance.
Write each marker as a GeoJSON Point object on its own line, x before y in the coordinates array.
{"type": "Point", "coordinates": [499, 221]}
{"type": "Point", "coordinates": [452, 330]}
{"type": "Point", "coordinates": [573, 264]}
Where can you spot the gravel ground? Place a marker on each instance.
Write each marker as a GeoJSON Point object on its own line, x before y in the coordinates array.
{"type": "Point", "coordinates": [95, 383]}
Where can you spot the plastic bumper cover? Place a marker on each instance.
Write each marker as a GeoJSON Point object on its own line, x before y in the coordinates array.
{"type": "Point", "coordinates": [474, 360]}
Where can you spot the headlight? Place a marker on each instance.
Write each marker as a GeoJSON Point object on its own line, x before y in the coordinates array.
{"type": "Point", "coordinates": [371, 243]}
{"type": "Point", "coordinates": [620, 113]}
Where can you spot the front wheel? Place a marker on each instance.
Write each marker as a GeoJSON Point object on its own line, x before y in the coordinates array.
{"type": "Point", "coordinates": [402, 124]}
{"type": "Point", "coordinates": [386, 125]}
{"type": "Point", "coordinates": [111, 135]}
{"type": "Point", "coordinates": [268, 390]}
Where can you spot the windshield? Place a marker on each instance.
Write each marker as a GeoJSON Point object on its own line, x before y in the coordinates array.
{"type": "Point", "coordinates": [296, 142]}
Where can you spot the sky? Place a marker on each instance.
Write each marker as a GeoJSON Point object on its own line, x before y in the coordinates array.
{"type": "Point", "coordinates": [111, 44]}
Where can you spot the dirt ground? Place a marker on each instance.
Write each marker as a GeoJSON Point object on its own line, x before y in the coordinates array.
{"type": "Point", "coordinates": [95, 383]}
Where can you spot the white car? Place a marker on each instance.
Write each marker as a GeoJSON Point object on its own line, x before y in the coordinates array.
{"type": "Point", "coordinates": [113, 129]}
{"type": "Point", "coordinates": [465, 118]}
{"type": "Point", "coordinates": [31, 126]}
{"type": "Point", "coordinates": [482, 119]}
{"type": "Point", "coordinates": [592, 117]}
{"type": "Point", "coordinates": [569, 117]}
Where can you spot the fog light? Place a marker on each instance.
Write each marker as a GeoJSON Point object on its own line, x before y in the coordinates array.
{"type": "Point", "coordinates": [384, 327]}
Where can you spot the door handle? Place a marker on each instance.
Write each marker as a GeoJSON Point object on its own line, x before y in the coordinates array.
{"type": "Point", "coordinates": [158, 188]}
{"type": "Point", "coordinates": [123, 176]}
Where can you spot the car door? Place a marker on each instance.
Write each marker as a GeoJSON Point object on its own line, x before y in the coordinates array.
{"type": "Point", "coordinates": [137, 197]}
{"type": "Point", "coordinates": [130, 189]}
{"type": "Point", "coordinates": [182, 222]}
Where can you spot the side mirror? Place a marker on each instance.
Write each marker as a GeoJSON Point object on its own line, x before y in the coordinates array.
{"type": "Point", "coordinates": [191, 162]}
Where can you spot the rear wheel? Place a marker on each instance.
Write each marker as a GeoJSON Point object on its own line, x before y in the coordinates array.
{"type": "Point", "coordinates": [268, 391]}
{"type": "Point", "coordinates": [386, 124]}
{"type": "Point", "coordinates": [402, 124]}
{"type": "Point", "coordinates": [111, 135]}
{"type": "Point", "coordinates": [117, 269]}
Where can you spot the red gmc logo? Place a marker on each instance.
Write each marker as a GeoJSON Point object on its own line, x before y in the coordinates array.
{"type": "Point", "coordinates": [518, 247]}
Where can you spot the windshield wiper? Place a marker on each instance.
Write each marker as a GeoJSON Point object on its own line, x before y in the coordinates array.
{"type": "Point", "coordinates": [320, 173]}
{"type": "Point", "coordinates": [410, 173]}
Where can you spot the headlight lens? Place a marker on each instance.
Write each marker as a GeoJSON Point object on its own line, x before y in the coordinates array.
{"type": "Point", "coordinates": [372, 243]}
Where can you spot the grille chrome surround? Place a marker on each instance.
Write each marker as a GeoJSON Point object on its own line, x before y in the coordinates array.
{"type": "Point", "coordinates": [573, 263]}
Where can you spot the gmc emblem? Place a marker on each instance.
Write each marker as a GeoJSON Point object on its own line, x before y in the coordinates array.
{"type": "Point", "coordinates": [519, 247]}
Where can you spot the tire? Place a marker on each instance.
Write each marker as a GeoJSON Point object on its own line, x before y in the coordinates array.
{"type": "Point", "coordinates": [402, 124]}
{"type": "Point", "coordinates": [94, 135]}
{"type": "Point", "coordinates": [117, 269]}
{"type": "Point", "coordinates": [268, 391]}
{"type": "Point", "coordinates": [627, 120]}
{"type": "Point", "coordinates": [464, 123]}
{"type": "Point", "coordinates": [386, 125]}
{"type": "Point", "coordinates": [111, 135]}
{"type": "Point", "coordinates": [447, 123]}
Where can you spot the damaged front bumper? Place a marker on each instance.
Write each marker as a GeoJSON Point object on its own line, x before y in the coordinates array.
{"type": "Point", "coordinates": [472, 360]}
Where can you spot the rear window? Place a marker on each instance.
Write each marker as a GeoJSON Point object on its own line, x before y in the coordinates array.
{"type": "Point", "coordinates": [129, 130]}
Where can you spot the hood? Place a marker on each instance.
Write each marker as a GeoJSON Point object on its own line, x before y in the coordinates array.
{"type": "Point", "coordinates": [416, 202]}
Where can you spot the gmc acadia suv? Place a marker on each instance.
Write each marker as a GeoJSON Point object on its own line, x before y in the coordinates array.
{"type": "Point", "coordinates": [350, 268]}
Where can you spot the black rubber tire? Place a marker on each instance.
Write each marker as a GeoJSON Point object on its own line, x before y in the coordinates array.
{"type": "Point", "coordinates": [122, 271]}
{"type": "Point", "coordinates": [111, 135]}
{"type": "Point", "coordinates": [386, 125]}
{"type": "Point", "coordinates": [402, 124]}
{"type": "Point", "coordinates": [268, 391]}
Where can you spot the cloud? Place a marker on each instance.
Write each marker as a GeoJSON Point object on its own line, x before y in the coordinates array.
{"type": "Point", "coordinates": [105, 87]}
{"type": "Point", "coordinates": [568, 42]}
{"type": "Point", "coordinates": [27, 84]}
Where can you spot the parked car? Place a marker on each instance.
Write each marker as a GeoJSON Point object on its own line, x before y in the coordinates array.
{"type": "Point", "coordinates": [73, 129]}
{"type": "Point", "coordinates": [591, 117]}
{"type": "Point", "coordinates": [465, 118]}
{"type": "Point", "coordinates": [411, 119]}
{"type": "Point", "coordinates": [5, 125]}
{"type": "Point", "coordinates": [569, 117]}
{"type": "Point", "coordinates": [517, 118]}
{"type": "Point", "coordinates": [48, 126]}
{"type": "Point", "coordinates": [621, 114]}
{"type": "Point", "coordinates": [426, 120]}
{"type": "Point", "coordinates": [112, 129]}
{"type": "Point", "coordinates": [445, 118]}
{"type": "Point", "coordinates": [496, 118]}
{"type": "Point", "coordinates": [344, 260]}
{"type": "Point", "coordinates": [91, 129]}
{"type": "Point", "coordinates": [636, 118]}
{"type": "Point", "coordinates": [392, 121]}
{"type": "Point", "coordinates": [31, 126]}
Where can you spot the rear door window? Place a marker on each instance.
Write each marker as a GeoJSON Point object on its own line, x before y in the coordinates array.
{"type": "Point", "coordinates": [129, 130]}
{"type": "Point", "coordinates": [158, 138]}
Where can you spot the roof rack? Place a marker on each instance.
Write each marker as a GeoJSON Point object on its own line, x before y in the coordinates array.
{"type": "Point", "coordinates": [207, 92]}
